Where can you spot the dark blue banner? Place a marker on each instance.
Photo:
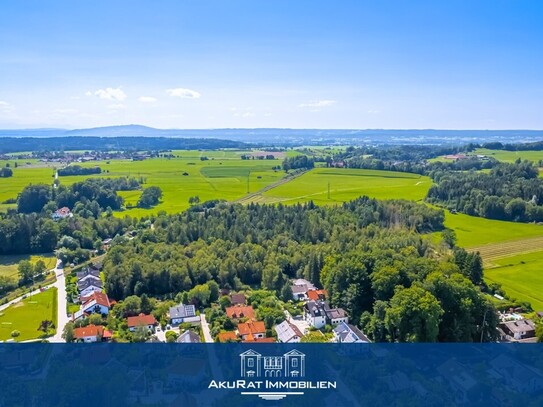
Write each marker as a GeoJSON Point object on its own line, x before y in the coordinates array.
{"type": "Point", "coordinates": [270, 374]}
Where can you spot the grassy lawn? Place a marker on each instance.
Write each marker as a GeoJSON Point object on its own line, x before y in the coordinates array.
{"type": "Point", "coordinates": [26, 316]}
{"type": "Point", "coordinates": [521, 277]}
{"type": "Point", "coordinates": [8, 264]}
{"type": "Point", "coordinates": [473, 231]}
{"type": "Point", "coordinates": [348, 184]}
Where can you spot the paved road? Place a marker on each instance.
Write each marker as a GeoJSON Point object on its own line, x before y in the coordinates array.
{"type": "Point", "coordinates": [63, 319]}
{"type": "Point", "coordinates": [205, 329]}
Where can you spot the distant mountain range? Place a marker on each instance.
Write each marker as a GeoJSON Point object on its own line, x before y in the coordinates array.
{"type": "Point", "coordinates": [272, 136]}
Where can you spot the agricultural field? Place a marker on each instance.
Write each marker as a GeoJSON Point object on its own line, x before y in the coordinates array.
{"type": "Point", "coordinates": [521, 277]}
{"type": "Point", "coordinates": [22, 176]}
{"type": "Point", "coordinates": [8, 264]}
{"type": "Point", "coordinates": [26, 316]}
{"type": "Point", "coordinates": [511, 156]}
{"type": "Point", "coordinates": [345, 185]}
{"type": "Point", "coordinates": [227, 178]}
{"type": "Point", "coordinates": [472, 231]}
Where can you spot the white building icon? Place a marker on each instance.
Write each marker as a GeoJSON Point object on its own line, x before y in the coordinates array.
{"type": "Point", "coordinates": [291, 364]}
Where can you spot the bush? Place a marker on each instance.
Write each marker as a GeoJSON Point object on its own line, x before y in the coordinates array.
{"type": "Point", "coordinates": [15, 334]}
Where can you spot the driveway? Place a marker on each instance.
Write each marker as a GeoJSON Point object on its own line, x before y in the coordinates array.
{"type": "Point", "coordinates": [205, 329]}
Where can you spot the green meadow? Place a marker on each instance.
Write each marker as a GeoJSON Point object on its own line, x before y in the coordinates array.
{"type": "Point", "coordinates": [511, 156]}
{"type": "Point", "coordinates": [22, 176]}
{"type": "Point", "coordinates": [26, 316]}
{"type": "Point", "coordinates": [345, 185]}
{"type": "Point", "coordinates": [521, 277]}
{"type": "Point", "coordinates": [472, 231]}
{"type": "Point", "coordinates": [222, 176]}
{"type": "Point", "coordinates": [8, 264]}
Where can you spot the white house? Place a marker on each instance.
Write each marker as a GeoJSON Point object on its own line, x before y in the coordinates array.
{"type": "Point", "coordinates": [87, 287]}
{"type": "Point", "coordinates": [147, 321]}
{"type": "Point", "coordinates": [314, 314]}
{"type": "Point", "coordinates": [89, 333]}
{"type": "Point", "coordinates": [288, 333]}
{"type": "Point", "coordinates": [183, 313]}
{"type": "Point", "coordinates": [97, 302]}
{"type": "Point", "coordinates": [319, 313]}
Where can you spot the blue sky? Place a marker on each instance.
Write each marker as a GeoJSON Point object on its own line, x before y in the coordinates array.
{"type": "Point", "coordinates": [300, 64]}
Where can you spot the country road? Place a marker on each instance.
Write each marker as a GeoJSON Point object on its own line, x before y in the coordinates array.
{"type": "Point", "coordinates": [63, 319]}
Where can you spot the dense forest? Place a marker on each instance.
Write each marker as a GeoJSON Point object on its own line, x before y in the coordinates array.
{"type": "Point", "coordinates": [298, 162]}
{"type": "Point", "coordinates": [391, 280]}
{"type": "Point", "coordinates": [508, 192]}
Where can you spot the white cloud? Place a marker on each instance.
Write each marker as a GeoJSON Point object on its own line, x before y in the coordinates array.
{"type": "Point", "coordinates": [319, 103]}
{"type": "Point", "coordinates": [4, 105]}
{"type": "Point", "coordinates": [374, 111]}
{"type": "Point", "coordinates": [117, 106]}
{"type": "Point", "coordinates": [147, 99]}
{"type": "Point", "coordinates": [116, 94]}
{"type": "Point", "coordinates": [183, 93]}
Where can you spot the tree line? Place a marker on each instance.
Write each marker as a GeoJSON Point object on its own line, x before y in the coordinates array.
{"type": "Point", "coordinates": [511, 192]}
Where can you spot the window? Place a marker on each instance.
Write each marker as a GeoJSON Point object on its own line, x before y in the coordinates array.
{"type": "Point", "coordinates": [294, 362]}
{"type": "Point", "coordinates": [250, 362]}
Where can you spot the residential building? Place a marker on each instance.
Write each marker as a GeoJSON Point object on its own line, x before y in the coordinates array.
{"type": "Point", "coordinates": [62, 213]}
{"type": "Point", "coordinates": [518, 330]}
{"type": "Point", "coordinates": [335, 316]}
{"type": "Point", "coordinates": [288, 333]}
{"type": "Point", "coordinates": [88, 271]}
{"type": "Point", "coordinates": [228, 336]}
{"type": "Point", "coordinates": [300, 288]}
{"type": "Point", "coordinates": [188, 337]}
{"type": "Point", "coordinates": [183, 313]}
{"type": "Point", "coordinates": [251, 339]}
{"type": "Point", "coordinates": [238, 299]}
{"type": "Point", "coordinates": [317, 295]}
{"type": "Point", "coordinates": [346, 333]}
{"type": "Point", "coordinates": [89, 333]}
{"type": "Point", "coordinates": [96, 302]}
{"type": "Point", "coordinates": [319, 313]}
{"type": "Point", "coordinates": [240, 311]}
{"type": "Point", "coordinates": [255, 328]}
{"type": "Point", "coordinates": [88, 286]}
{"type": "Point", "coordinates": [147, 321]}
{"type": "Point", "coordinates": [314, 314]}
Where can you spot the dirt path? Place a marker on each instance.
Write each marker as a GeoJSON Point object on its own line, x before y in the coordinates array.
{"type": "Point", "coordinates": [250, 197]}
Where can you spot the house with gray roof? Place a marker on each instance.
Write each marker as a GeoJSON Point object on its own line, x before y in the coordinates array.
{"type": "Point", "coordinates": [183, 313]}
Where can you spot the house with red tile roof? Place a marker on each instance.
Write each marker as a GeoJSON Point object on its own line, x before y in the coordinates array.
{"type": "Point", "coordinates": [317, 295]}
{"type": "Point", "coordinates": [97, 302]}
{"type": "Point", "coordinates": [89, 333]}
{"type": "Point", "coordinates": [229, 336]}
{"type": "Point", "coordinates": [252, 339]}
{"type": "Point", "coordinates": [147, 321]}
{"type": "Point", "coordinates": [240, 311]}
{"type": "Point", "coordinates": [255, 328]}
